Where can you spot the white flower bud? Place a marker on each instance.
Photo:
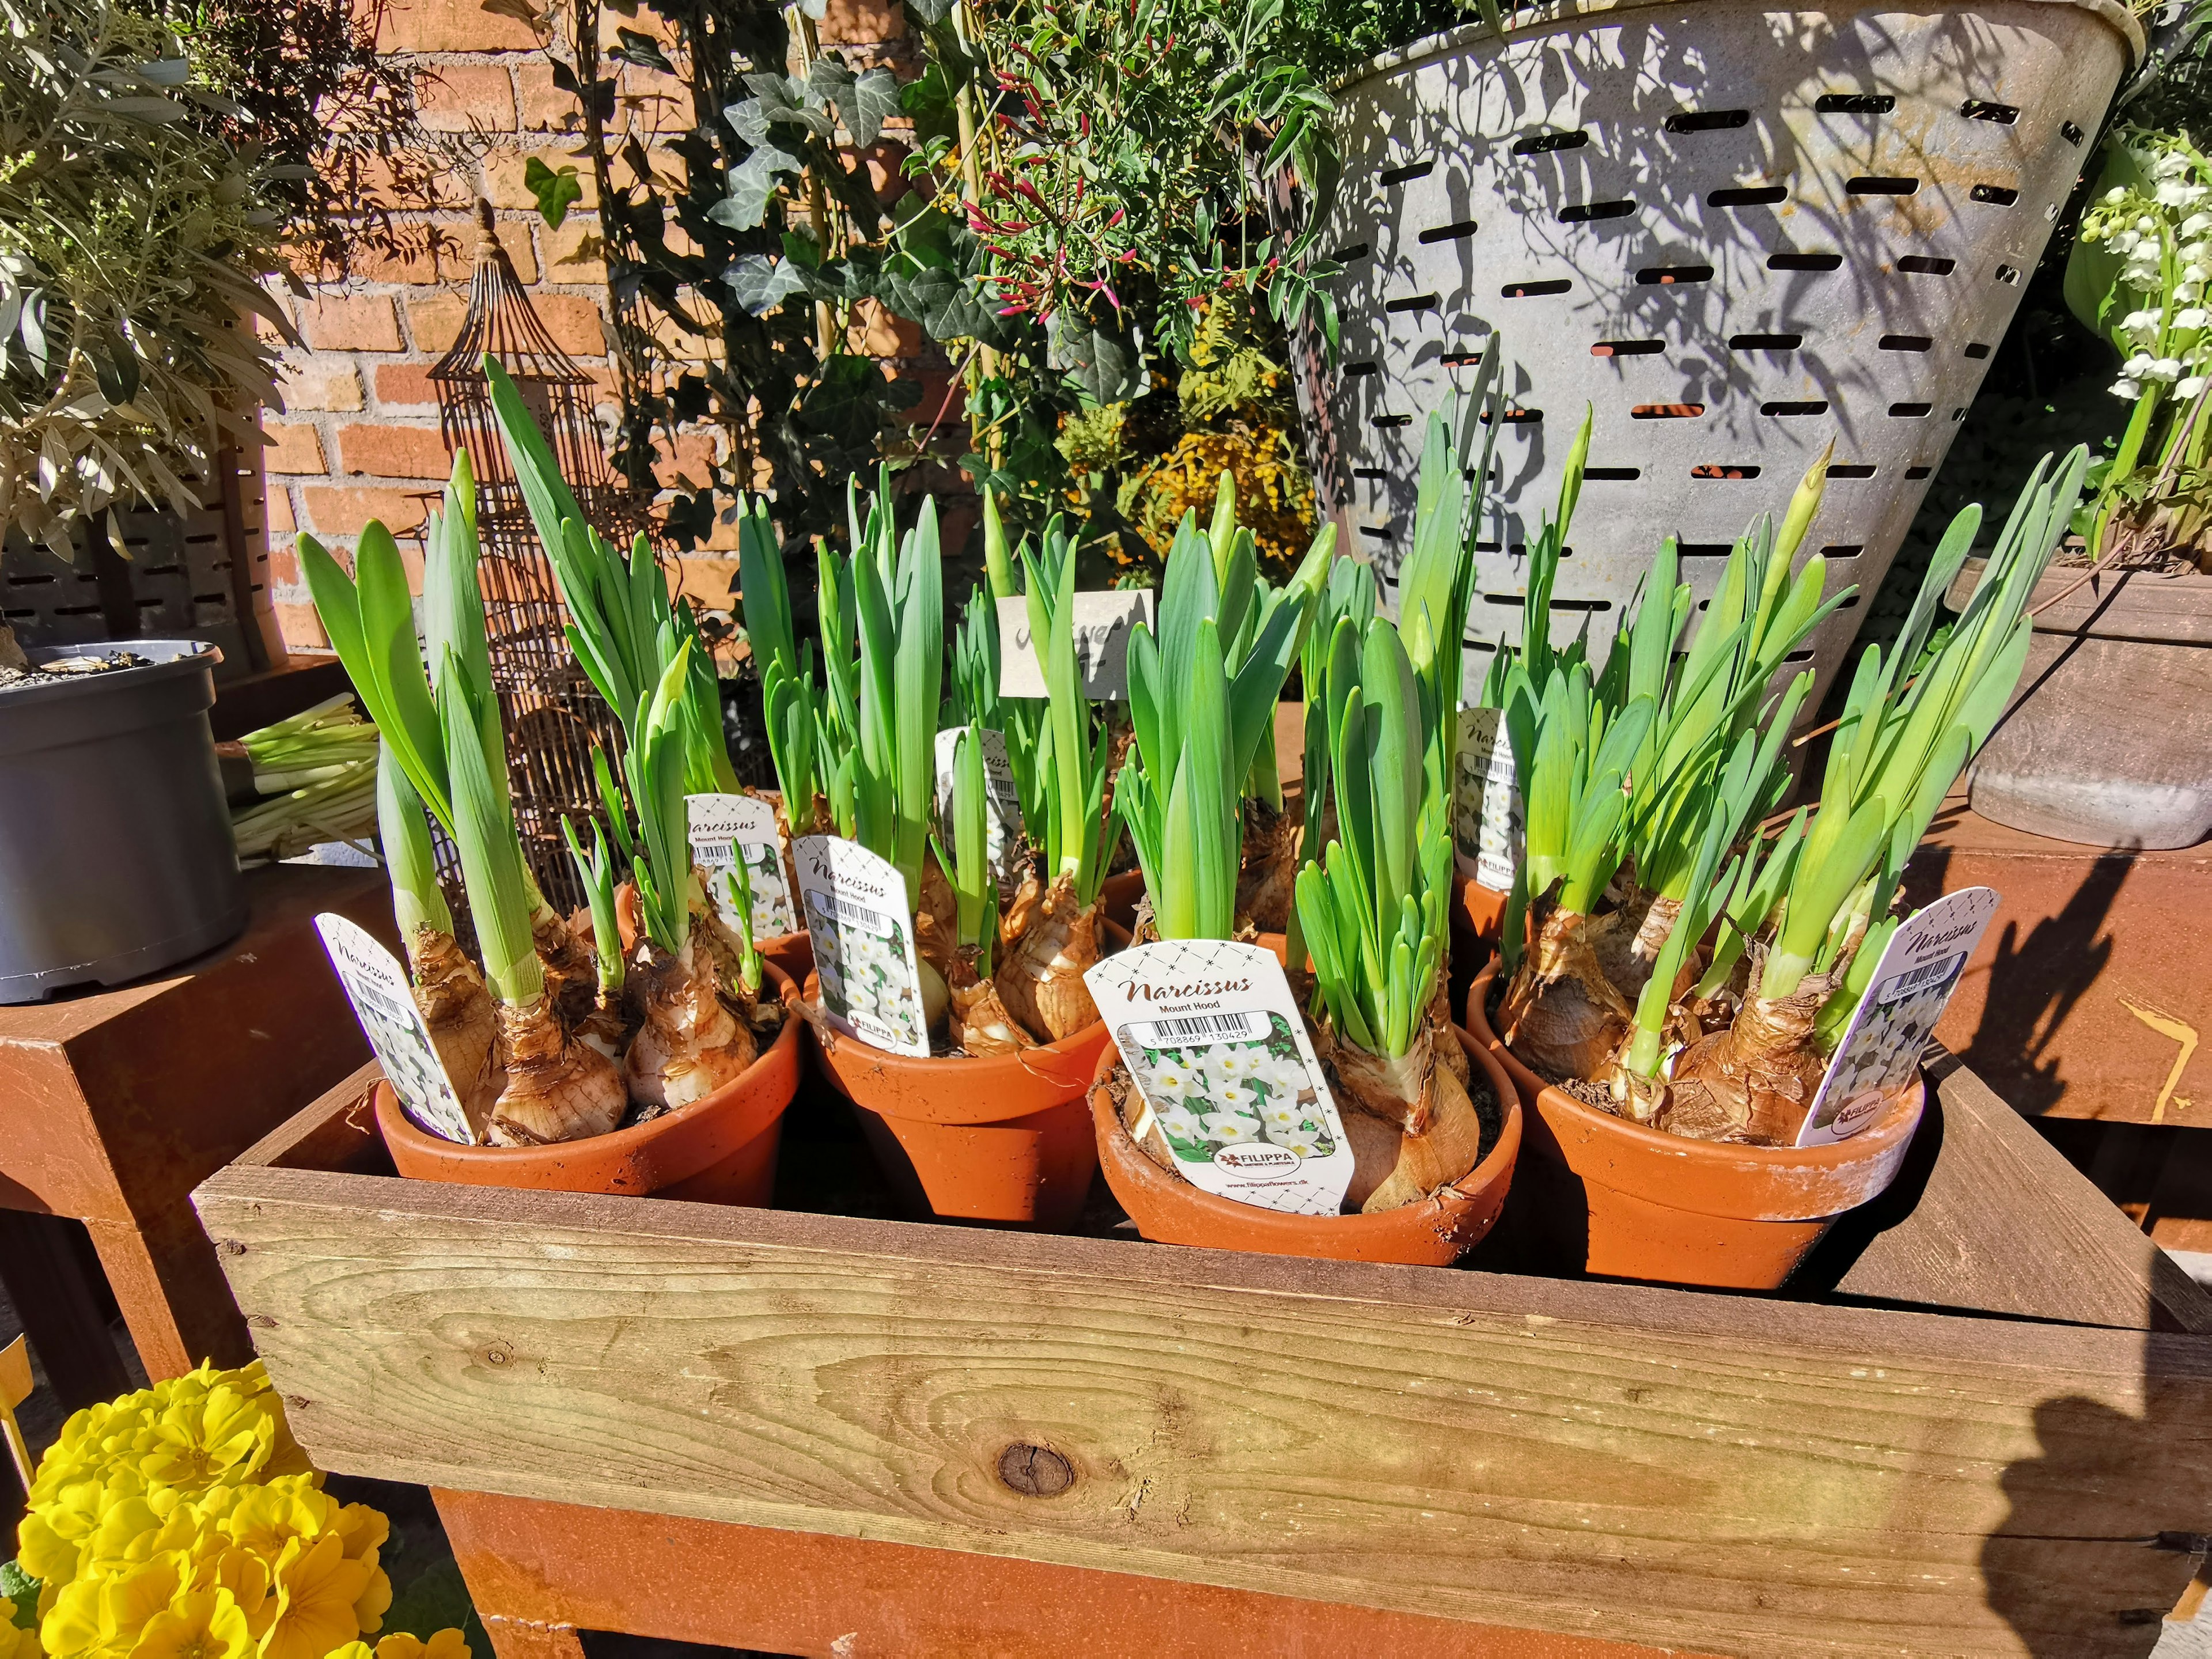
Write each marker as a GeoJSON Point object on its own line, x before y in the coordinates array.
{"type": "Point", "coordinates": [2129, 389]}
{"type": "Point", "coordinates": [2192, 386]}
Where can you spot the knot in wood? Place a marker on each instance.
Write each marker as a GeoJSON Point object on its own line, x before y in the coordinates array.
{"type": "Point", "coordinates": [1034, 1471]}
{"type": "Point", "coordinates": [231, 1247]}
{"type": "Point", "coordinates": [498, 1353]}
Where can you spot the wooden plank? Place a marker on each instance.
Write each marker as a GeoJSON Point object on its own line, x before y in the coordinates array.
{"type": "Point", "coordinates": [1988, 1215]}
{"type": "Point", "coordinates": [535, 1569]}
{"type": "Point", "coordinates": [1729, 1474]}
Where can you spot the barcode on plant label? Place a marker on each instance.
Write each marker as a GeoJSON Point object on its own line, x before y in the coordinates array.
{"type": "Point", "coordinates": [1243, 1027]}
{"type": "Point", "coordinates": [836, 907]}
{"type": "Point", "coordinates": [1929, 973]}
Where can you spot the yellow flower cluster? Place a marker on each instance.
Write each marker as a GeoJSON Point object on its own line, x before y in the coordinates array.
{"type": "Point", "coordinates": [183, 1522]}
{"type": "Point", "coordinates": [1274, 497]}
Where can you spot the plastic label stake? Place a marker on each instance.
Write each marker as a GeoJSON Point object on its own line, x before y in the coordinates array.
{"type": "Point", "coordinates": [1002, 804]}
{"type": "Point", "coordinates": [716, 823]}
{"type": "Point", "coordinates": [1910, 987]}
{"type": "Point", "coordinates": [1489, 827]}
{"type": "Point", "coordinates": [856, 911]}
{"type": "Point", "coordinates": [1229, 1082]}
{"type": "Point", "coordinates": [377, 986]}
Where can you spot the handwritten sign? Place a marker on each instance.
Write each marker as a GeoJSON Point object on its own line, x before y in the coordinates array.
{"type": "Point", "coordinates": [1103, 623]}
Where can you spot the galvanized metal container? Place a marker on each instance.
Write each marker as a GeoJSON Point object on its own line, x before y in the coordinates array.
{"type": "Point", "coordinates": [116, 858]}
{"type": "Point", "coordinates": [1733, 232]}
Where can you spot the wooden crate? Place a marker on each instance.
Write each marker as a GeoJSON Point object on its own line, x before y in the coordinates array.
{"type": "Point", "coordinates": [846, 1435]}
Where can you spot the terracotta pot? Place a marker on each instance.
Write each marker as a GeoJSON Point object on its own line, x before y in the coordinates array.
{"type": "Point", "coordinates": [793, 954]}
{"type": "Point", "coordinates": [1118, 897]}
{"type": "Point", "coordinates": [985, 1138]}
{"type": "Point", "coordinates": [1476, 914]}
{"type": "Point", "coordinates": [1433, 1233]}
{"type": "Point", "coordinates": [1600, 1194]}
{"type": "Point", "coordinates": [720, 1149]}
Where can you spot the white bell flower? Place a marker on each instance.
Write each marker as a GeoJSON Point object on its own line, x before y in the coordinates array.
{"type": "Point", "coordinates": [2193, 386]}
{"type": "Point", "coordinates": [2138, 365]}
{"type": "Point", "coordinates": [2165, 368]}
{"type": "Point", "coordinates": [2195, 317]}
{"type": "Point", "coordinates": [2131, 390]}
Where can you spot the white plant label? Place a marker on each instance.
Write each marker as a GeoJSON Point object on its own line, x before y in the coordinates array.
{"type": "Point", "coordinates": [1912, 984]}
{"type": "Point", "coordinates": [1103, 621]}
{"type": "Point", "coordinates": [718, 823]}
{"type": "Point", "coordinates": [377, 986]}
{"type": "Point", "coordinates": [1489, 826]}
{"type": "Point", "coordinates": [856, 911]}
{"type": "Point", "coordinates": [1002, 803]}
{"type": "Point", "coordinates": [1215, 1039]}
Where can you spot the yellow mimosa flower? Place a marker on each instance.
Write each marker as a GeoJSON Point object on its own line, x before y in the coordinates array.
{"type": "Point", "coordinates": [316, 1589]}
{"type": "Point", "coordinates": [196, 1624]}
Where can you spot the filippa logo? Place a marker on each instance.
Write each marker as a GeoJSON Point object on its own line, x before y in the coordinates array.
{"type": "Point", "coordinates": [1256, 1158]}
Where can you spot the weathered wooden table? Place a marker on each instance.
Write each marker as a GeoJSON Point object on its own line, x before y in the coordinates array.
{"type": "Point", "coordinates": [114, 1104]}
{"type": "Point", "coordinates": [1983, 1424]}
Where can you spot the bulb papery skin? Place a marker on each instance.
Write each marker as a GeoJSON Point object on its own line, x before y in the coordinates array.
{"type": "Point", "coordinates": [1040, 975]}
{"type": "Point", "coordinates": [689, 1042]}
{"type": "Point", "coordinates": [463, 1029]}
{"type": "Point", "coordinates": [557, 1089]}
{"type": "Point", "coordinates": [1563, 1017]}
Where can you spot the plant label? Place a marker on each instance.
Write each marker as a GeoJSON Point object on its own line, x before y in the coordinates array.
{"type": "Point", "coordinates": [1488, 824]}
{"type": "Point", "coordinates": [1224, 1068]}
{"type": "Point", "coordinates": [1912, 984]}
{"type": "Point", "coordinates": [725, 828]}
{"type": "Point", "coordinates": [1103, 623]}
{"type": "Point", "coordinates": [1002, 803]}
{"type": "Point", "coordinates": [382, 1001]}
{"type": "Point", "coordinates": [855, 908]}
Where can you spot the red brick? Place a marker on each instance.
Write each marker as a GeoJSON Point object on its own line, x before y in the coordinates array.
{"type": "Point", "coordinates": [409, 181]}
{"type": "Point", "coordinates": [654, 102]}
{"type": "Point", "coordinates": [886, 164]}
{"type": "Point", "coordinates": [393, 452]}
{"type": "Point", "coordinates": [573, 322]}
{"type": "Point", "coordinates": [451, 26]}
{"type": "Point", "coordinates": [301, 628]}
{"type": "Point", "coordinates": [435, 321]}
{"type": "Point", "coordinates": [320, 383]}
{"type": "Point", "coordinates": [401, 385]}
{"type": "Point", "coordinates": [292, 448]}
{"type": "Point", "coordinates": [503, 171]}
{"type": "Point", "coordinates": [704, 579]}
{"type": "Point", "coordinates": [876, 332]}
{"type": "Point", "coordinates": [544, 106]}
{"type": "Point", "coordinates": [350, 322]}
{"type": "Point", "coordinates": [285, 563]}
{"type": "Point", "coordinates": [281, 526]}
{"type": "Point", "coordinates": [692, 455]}
{"type": "Point", "coordinates": [341, 510]}
{"type": "Point", "coordinates": [573, 253]}
{"type": "Point", "coordinates": [466, 97]}
{"type": "Point", "coordinates": [858, 20]}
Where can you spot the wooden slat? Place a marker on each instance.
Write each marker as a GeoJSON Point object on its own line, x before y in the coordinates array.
{"type": "Point", "coordinates": [1731, 1474]}
{"type": "Point", "coordinates": [1988, 1215]}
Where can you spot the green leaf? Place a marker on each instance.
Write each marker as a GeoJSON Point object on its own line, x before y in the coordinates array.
{"type": "Point", "coordinates": [555, 192]}
{"type": "Point", "coordinates": [762, 284]}
{"type": "Point", "coordinates": [1106, 366]}
{"type": "Point", "coordinates": [874, 100]}
{"type": "Point", "coordinates": [752, 184]}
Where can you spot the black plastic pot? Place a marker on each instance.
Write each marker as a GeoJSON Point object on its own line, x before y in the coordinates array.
{"type": "Point", "coordinates": [116, 858]}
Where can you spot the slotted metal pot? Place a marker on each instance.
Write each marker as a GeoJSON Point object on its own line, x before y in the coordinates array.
{"type": "Point", "coordinates": [1733, 232]}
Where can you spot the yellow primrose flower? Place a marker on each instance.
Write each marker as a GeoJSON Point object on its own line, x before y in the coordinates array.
{"type": "Point", "coordinates": [316, 1589]}
{"type": "Point", "coordinates": [218, 1563]}
{"type": "Point", "coordinates": [445, 1645]}
{"type": "Point", "coordinates": [15, 1644]}
{"type": "Point", "coordinates": [196, 1624]}
{"type": "Point", "coordinates": [223, 1434]}
{"type": "Point", "coordinates": [354, 1650]}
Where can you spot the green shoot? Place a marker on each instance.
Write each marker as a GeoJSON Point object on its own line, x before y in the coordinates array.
{"type": "Point", "coordinates": [595, 870]}
{"type": "Point", "coordinates": [1372, 914]}
{"type": "Point", "coordinates": [1079, 833]}
{"type": "Point", "coordinates": [660, 867]}
{"type": "Point", "coordinates": [417, 901]}
{"type": "Point", "coordinates": [967, 863]}
{"type": "Point", "coordinates": [492, 869]}
{"type": "Point", "coordinates": [738, 879]}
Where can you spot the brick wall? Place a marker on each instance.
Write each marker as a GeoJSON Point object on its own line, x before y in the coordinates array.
{"type": "Point", "coordinates": [358, 438]}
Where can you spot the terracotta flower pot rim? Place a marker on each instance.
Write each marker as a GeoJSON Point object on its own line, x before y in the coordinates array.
{"type": "Point", "coordinates": [1467, 1189]}
{"type": "Point", "coordinates": [1068, 1052]}
{"type": "Point", "coordinates": [1897, 1124]}
{"type": "Point", "coordinates": [626, 924]}
{"type": "Point", "coordinates": [614, 1144]}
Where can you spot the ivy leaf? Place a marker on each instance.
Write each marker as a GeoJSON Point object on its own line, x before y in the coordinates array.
{"type": "Point", "coordinates": [556, 192]}
{"type": "Point", "coordinates": [748, 120]}
{"type": "Point", "coordinates": [848, 402]}
{"type": "Point", "coordinates": [799, 246]}
{"type": "Point", "coordinates": [1106, 367]}
{"type": "Point", "coordinates": [931, 11]}
{"type": "Point", "coordinates": [763, 285]}
{"type": "Point", "coordinates": [946, 305]}
{"type": "Point", "coordinates": [874, 100]}
{"type": "Point", "coordinates": [925, 237]}
{"type": "Point", "coordinates": [521, 10]}
{"type": "Point", "coordinates": [642, 50]}
{"type": "Point", "coordinates": [829, 81]}
{"type": "Point", "coordinates": [752, 186]}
